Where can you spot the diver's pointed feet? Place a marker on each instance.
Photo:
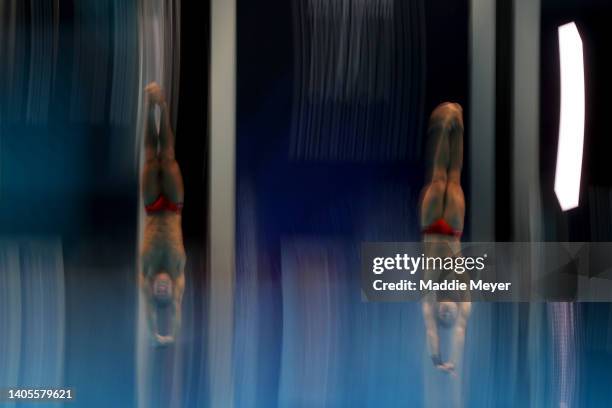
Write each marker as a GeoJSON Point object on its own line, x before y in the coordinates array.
{"type": "Point", "coordinates": [155, 93]}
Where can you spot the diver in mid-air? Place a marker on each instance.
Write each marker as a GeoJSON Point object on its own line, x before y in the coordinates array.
{"type": "Point", "coordinates": [162, 255]}
{"type": "Point", "coordinates": [442, 213]}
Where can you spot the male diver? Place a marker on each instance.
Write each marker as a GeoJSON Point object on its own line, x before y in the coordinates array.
{"type": "Point", "coordinates": [162, 255]}
{"type": "Point", "coordinates": [442, 214]}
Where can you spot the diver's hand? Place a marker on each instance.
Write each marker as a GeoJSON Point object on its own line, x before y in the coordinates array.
{"type": "Point", "coordinates": [163, 340]}
{"type": "Point", "coordinates": [448, 368]}
{"type": "Point", "coordinates": [155, 93]}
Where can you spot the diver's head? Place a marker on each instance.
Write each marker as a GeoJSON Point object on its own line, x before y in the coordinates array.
{"type": "Point", "coordinates": [447, 314]}
{"type": "Point", "coordinates": [162, 288]}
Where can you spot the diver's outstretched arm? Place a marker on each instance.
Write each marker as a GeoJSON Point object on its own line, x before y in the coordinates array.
{"type": "Point", "coordinates": [145, 287]}
{"type": "Point", "coordinates": [152, 319]}
{"type": "Point", "coordinates": [179, 288]}
{"type": "Point", "coordinates": [176, 325]}
{"type": "Point", "coordinates": [459, 335]}
{"type": "Point", "coordinates": [433, 341]}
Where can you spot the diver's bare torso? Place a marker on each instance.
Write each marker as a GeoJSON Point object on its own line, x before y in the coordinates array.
{"type": "Point", "coordinates": [162, 245]}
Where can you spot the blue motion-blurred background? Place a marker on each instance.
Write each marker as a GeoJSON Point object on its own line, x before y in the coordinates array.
{"type": "Point", "coordinates": [332, 104]}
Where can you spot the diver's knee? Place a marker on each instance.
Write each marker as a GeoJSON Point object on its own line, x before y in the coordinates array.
{"type": "Point", "coordinates": [454, 179]}
{"type": "Point", "coordinates": [437, 186]}
{"type": "Point", "coordinates": [151, 166]}
{"type": "Point", "coordinates": [168, 162]}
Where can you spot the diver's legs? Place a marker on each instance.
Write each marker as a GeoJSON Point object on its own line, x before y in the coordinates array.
{"type": "Point", "coordinates": [172, 180]}
{"type": "Point", "coordinates": [150, 179]}
{"type": "Point", "coordinates": [454, 209]}
{"type": "Point", "coordinates": [454, 201]}
{"type": "Point", "coordinates": [161, 173]}
{"type": "Point", "coordinates": [151, 138]}
{"type": "Point", "coordinates": [166, 135]}
{"type": "Point", "coordinates": [438, 151]}
{"type": "Point", "coordinates": [151, 186]}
